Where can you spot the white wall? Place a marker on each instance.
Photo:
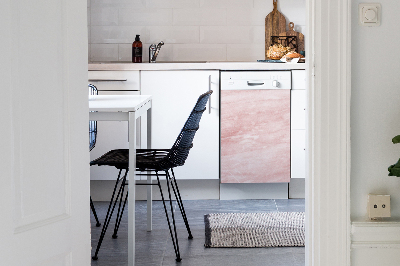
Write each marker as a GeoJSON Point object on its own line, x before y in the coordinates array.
{"type": "Point", "coordinates": [193, 30]}
{"type": "Point", "coordinates": [375, 119]}
{"type": "Point", "coordinates": [375, 108]}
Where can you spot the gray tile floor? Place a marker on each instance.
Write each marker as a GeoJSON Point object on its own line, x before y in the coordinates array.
{"type": "Point", "coordinates": [155, 248]}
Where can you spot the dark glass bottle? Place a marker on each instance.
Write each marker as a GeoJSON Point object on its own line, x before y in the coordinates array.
{"type": "Point", "coordinates": [137, 50]}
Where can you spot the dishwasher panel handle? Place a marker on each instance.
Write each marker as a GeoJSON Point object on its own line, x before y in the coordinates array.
{"type": "Point", "coordinates": [249, 83]}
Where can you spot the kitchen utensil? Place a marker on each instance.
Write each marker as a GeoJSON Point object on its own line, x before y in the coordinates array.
{"type": "Point", "coordinates": [292, 32]}
{"type": "Point", "coordinates": [275, 23]}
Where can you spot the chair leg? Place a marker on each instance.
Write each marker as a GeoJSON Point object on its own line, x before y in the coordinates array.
{"type": "Point", "coordinates": [94, 213]}
{"type": "Point", "coordinates": [175, 188]}
{"type": "Point", "coordinates": [120, 211]}
{"type": "Point", "coordinates": [174, 239]}
{"type": "Point", "coordinates": [110, 211]}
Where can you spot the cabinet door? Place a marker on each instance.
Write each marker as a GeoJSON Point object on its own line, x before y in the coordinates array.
{"type": "Point", "coordinates": [255, 136]}
{"type": "Point", "coordinates": [298, 154]}
{"type": "Point", "coordinates": [174, 96]}
{"type": "Point", "coordinates": [298, 79]}
{"type": "Point", "coordinates": [298, 109]}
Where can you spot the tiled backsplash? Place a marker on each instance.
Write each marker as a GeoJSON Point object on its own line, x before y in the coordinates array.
{"type": "Point", "coordinates": [192, 30]}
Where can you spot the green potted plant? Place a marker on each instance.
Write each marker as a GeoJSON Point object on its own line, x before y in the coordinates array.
{"type": "Point", "coordinates": [394, 170]}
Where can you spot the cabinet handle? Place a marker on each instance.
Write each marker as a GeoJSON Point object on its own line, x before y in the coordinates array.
{"type": "Point", "coordinates": [254, 83]}
{"type": "Point", "coordinates": [100, 80]}
{"type": "Point", "coordinates": [209, 99]}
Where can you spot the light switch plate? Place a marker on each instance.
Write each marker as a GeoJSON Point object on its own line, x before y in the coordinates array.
{"type": "Point", "coordinates": [369, 14]}
{"type": "Point", "coordinates": [378, 206]}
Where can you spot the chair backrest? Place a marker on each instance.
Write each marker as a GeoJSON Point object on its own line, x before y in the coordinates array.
{"type": "Point", "coordinates": [92, 124]}
{"type": "Point", "coordinates": [180, 150]}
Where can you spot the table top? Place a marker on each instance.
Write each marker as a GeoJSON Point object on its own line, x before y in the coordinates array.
{"type": "Point", "coordinates": [117, 103]}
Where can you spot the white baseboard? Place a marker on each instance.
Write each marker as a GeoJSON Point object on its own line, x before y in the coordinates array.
{"type": "Point", "coordinates": [375, 243]}
{"type": "Point", "coordinates": [254, 191]}
{"type": "Point", "coordinates": [101, 190]}
{"type": "Point", "coordinates": [297, 188]}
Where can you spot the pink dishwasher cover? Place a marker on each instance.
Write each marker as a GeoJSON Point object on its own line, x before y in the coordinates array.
{"type": "Point", "coordinates": [255, 136]}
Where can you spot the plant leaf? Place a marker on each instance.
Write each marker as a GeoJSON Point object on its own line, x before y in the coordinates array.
{"type": "Point", "coordinates": [396, 139]}
{"type": "Point", "coordinates": [394, 170]}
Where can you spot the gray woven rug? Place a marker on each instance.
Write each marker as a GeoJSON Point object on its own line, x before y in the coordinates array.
{"type": "Point", "coordinates": [273, 229]}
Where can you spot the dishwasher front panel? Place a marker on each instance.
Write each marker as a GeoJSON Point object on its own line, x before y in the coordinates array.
{"type": "Point", "coordinates": [255, 136]}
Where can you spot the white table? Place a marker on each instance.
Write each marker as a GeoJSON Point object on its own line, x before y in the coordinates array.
{"type": "Point", "coordinates": [127, 108]}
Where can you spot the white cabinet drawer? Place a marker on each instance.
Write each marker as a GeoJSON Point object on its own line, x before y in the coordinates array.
{"type": "Point", "coordinates": [298, 79]}
{"type": "Point", "coordinates": [298, 109]}
{"type": "Point", "coordinates": [115, 80]}
{"type": "Point", "coordinates": [298, 154]}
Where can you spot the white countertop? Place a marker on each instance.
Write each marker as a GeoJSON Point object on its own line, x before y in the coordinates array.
{"type": "Point", "coordinates": [196, 66]}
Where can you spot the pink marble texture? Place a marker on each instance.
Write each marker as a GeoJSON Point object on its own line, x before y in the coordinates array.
{"type": "Point", "coordinates": [255, 136]}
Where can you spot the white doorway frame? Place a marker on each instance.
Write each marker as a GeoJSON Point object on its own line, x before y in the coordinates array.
{"type": "Point", "coordinates": [328, 178]}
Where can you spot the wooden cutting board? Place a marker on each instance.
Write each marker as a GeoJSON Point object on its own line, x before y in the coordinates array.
{"type": "Point", "coordinates": [275, 23]}
{"type": "Point", "coordinates": [292, 32]}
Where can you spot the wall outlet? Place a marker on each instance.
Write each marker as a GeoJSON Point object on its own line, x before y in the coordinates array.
{"type": "Point", "coordinates": [378, 206]}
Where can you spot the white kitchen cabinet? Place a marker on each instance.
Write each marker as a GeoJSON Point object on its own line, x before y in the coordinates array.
{"type": "Point", "coordinates": [112, 134]}
{"type": "Point", "coordinates": [298, 79]}
{"type": "Point", "coordinates": [298, 125]}
{"type": "Point", "coordinates": [174, 96]}
{"type": "Point", "coordinates": [298, 109]}
{"type": "Point", "coordinates": [298, 154]}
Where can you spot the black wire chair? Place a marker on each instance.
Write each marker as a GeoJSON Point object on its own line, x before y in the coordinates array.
{"type": "Point", "coordinates": [154, 160]}
{"type": "Point", "coordinates": [92, 143]}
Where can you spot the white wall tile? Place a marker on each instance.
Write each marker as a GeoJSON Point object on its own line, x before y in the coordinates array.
{"type": "Point", "coordinates": [88, 16]}
{"type": "Point", "coordinates": [224, 34]}
{"type": "Point", "coordinates": [226, 3]}
{"type": "Point", "coordinates": [265, 4]}
{"type": "Point", "coordinates": [239, 4]}
{"type": "Point", "coordinates": [200, 16]}
{"type": "Point", "coordinates": [246, 17]}
{"type": "Point", "coordinates": [258, 35]}
{"type": "Point", "coordinates": [125, 52]}
{"type": "Point", "coordinates": [89, 52]}
{"type": "Point", "coordinates": [173, 34]}
{"type": "Point", "coordinates": [119, 3]}
{"type": "Point", "coordinates": [199, 52]}
{"type": "Point", "coordinates": [172, 3]}
{"type": "Point", "coordinates": [245, 52]}
{"type": "Point", "coordinates": [115, 34]}
{"type": "Point", "coordinates": [104, 52]}
{"type": "Point", "coordinates": [145, 17]}
{"type": "Point", "coordinates": [105, 16]}
{"type": "Point", "coordinates": [293, 10]}
{"type": "Point", "coordinates": [232, 35]}
{"type": "Point", "coordinates": [214, 3]}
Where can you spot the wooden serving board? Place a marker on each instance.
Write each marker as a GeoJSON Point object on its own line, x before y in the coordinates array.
{"type": "Point", "coordinates": [275, 23]}
{"type": "Point", "coordinates": [299, 36]}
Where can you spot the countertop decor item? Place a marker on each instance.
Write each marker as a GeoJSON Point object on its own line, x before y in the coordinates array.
{"type": "Point", "coordinates": [299, 37]}
{"type": "Point", "coordinates": [275, 23]}
{"type": "Point", "coordinates": [287, 41]}
{"type": "Point", "coordinates": [269, 61]}
{"type": "Point", "coordinates": [137, 50]}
